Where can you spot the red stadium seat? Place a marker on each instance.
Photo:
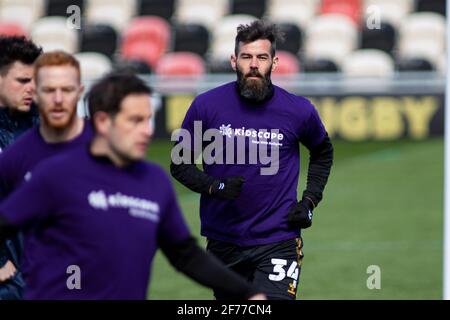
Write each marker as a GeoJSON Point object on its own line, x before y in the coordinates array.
{"type": "Point", "coordinates": [350, 8]}
{"type": "Point", "coordinates": [146, 38]}
{"type": "Point", "coordinates": [287, 63]}
{"type": "Point", "coordinates": [11, 29]}
{"type": "Point", "coordinates": [180, 64]}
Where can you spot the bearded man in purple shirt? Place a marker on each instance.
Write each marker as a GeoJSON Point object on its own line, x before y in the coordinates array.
{"type": "Point", "coordinates": [248, 208]}
{"type": "Point", "coordinates": [94, 217]}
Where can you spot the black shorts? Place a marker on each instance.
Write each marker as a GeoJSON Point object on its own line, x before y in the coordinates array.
{"type": "Point", "coordinates": [274, 268]}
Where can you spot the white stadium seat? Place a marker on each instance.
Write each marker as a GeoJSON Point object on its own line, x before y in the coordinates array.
{"type": "Point", "coordinates": [224, 34]}
{"type": "Point", "coordinates": [205, 12]}
{"type": "Point", "coordinates": [116, 13]}
{"type": "Point", "coordinates": [22, 12]}
{"type": "Point", "coordinates": [331, 36]}
{"type": "Point", "coordinates": [93, 65]}
{"type": "Point", "coordinates": [299, 12]}
{"type": "Point", "coordinates": [423, 35]}
{"type": "Point", "coordinates": [368, 63]}
{"type": "Point", "coordinates": [52, 33]}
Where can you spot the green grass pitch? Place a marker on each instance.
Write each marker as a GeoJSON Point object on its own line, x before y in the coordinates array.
{"type": "Point", "coordinates": [383, 206]}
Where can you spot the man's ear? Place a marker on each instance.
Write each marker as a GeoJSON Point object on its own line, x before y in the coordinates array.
{"type": "Point", "coordinates": [233, 62]}
{"type": "Point", "coordinates": [80, 92]}
{"type": "Point", "coordinates": [102, 122]}
{"type": "Point", "coordinates": [275, 63]}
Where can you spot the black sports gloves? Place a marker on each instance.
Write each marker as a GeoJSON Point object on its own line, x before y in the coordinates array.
{"type": "Point", "coordinates": [229, 189]}
{"type": "Point", "coordinates": [300, 215]}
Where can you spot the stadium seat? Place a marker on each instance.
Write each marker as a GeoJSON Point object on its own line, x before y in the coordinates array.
{"type": "Point", "coordinates": [143, 51]}
{"type": "Point", "coordinates": [93, 65]}
{"type": "Point", "coordinates": [11, 29]}
{"type": "Point", "coordinates": [159, 8]}
{"type": "Point", "coordinates": [99, 38]}
{"type": "Point", "coordinates": [224, 34]}
{"type": "Point", "coordinates": [423, 35]}
{"type": "Point", "coordinates": [146, 38]}
{"type": "Point", "coordinates": [320, 65]}
{"type": "Point", "coordinates": [389, 11]}
{"type": "Point", "coordinates": [191, 37]}
{"type": "Point", "coordinates": [222, 66]}
{"type": "Point", "coordinates": [293, 37]}
{"type": "Point", "coordinates": [52, 34]}
{"type": "Point", "coordinates": [255, 8]}
{"type": "Point", "coordinates": [180, 64]}
{"type": "Point", "coordinates": [22, 12]}
{"type": "Point", "coordinates": [349, 8]}
{"type": "Point", "coordinates": [116, 13]}
{"type": "Point", "coordinates": [437, 6]}
{"type": "Point", "coordinates": [59, 7]}
{"type": "Point", "coordinates": [288, 63]}
{"type": "Point", "coordinates": [383, 38]}
{"type": "Point", "coordinates": [414, 64]}
{"type": "Point", "coordinates": [205, 12]}
{"type": "Point", "coordinates": [134, 66]}
{"type": "Point", "coordinates": [331, 37]}
{"type": "Point", "coordinates": [299, 12]}
{"type": "Point", "coordinates": [368, 63]}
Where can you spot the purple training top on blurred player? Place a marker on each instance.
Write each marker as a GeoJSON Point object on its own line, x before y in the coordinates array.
{"type": "Point", "coordinates": [19, 159]}
{"type": "Point", "coordinates": [80, 212]}
{"type": "Point", "coordinates": [259, 215]}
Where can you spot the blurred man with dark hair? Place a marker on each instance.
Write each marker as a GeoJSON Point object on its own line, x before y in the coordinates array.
{"type": "Point", "coordinates": [17, 114]}
{"type": "Point", "coordinates": [96, 237]}
{"type": "Point", "coordinates": [249, 211]}
{"type": "Point", "coordinates": [58, 89]}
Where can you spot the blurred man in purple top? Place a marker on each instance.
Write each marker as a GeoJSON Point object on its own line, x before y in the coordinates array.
{"type": "Point", "coordinates": [58, 89]}
{"type": "Point", "coordinates": [18, 113]}
{"type": "Point", "coordinates": [248, 208]}
{"type": "Point", "coordinates": [94, 217]}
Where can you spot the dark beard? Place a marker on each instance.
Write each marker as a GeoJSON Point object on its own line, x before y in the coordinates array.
{"type": "Point", "coordinates": [255, 90]}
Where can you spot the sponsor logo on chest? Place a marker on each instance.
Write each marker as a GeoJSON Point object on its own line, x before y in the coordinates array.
{"type": "Point", "coordinates": [137, 207]}
{"type": "Point", "coordinates": [257, 136]}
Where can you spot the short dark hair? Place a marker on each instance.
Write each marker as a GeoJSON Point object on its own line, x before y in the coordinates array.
{"type": "Point", "coordinates": [17, 48]}
{"type": "Point", "coordinates": [108, 93]}
{"type": "Point", "coordinates": [258, 30]}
